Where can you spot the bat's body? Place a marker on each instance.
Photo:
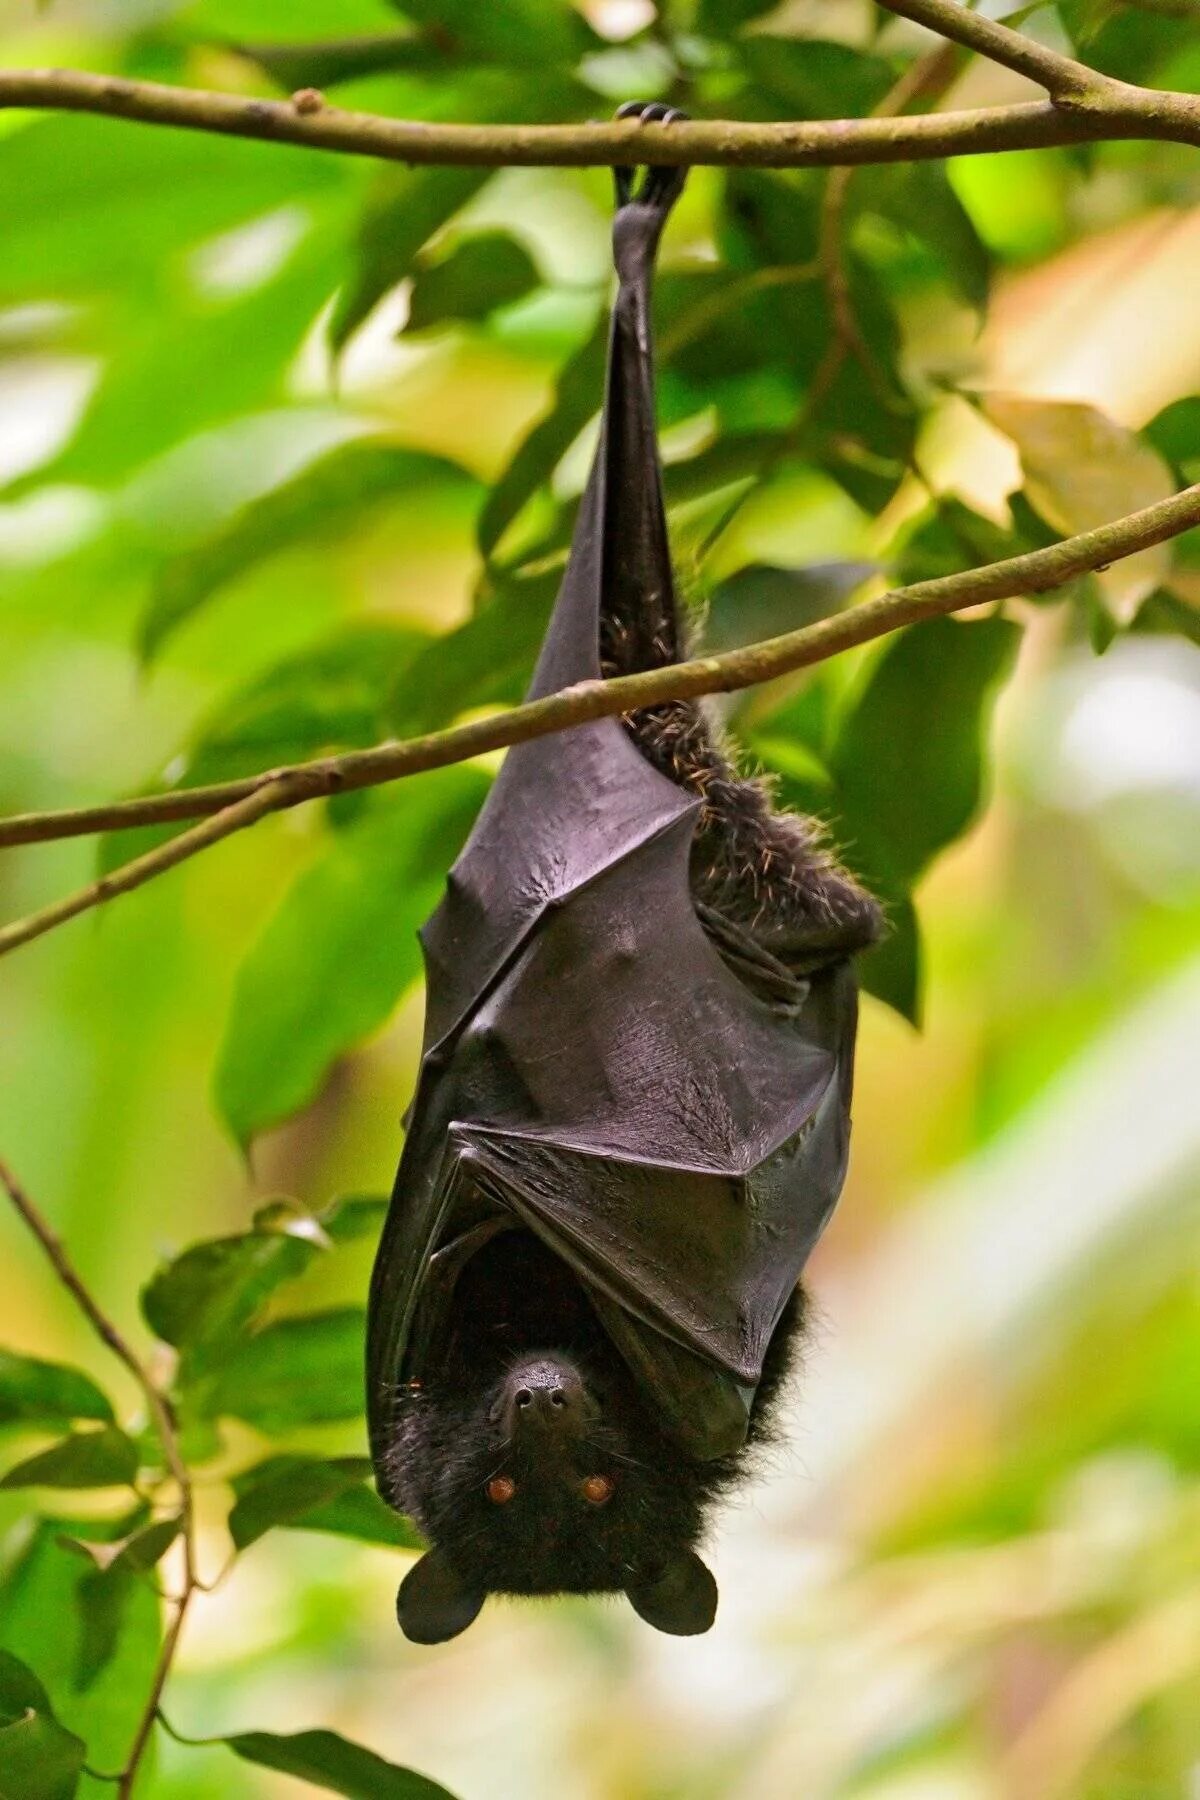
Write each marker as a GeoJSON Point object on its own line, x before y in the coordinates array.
{"type": "Point", "coordinates": [632, 1118]}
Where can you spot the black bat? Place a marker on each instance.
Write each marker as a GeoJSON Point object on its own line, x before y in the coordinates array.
{"type": "Point", "coordinates": [632, 1117]}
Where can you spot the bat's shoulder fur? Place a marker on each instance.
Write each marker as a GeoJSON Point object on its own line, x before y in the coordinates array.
{"type": "Point", "coordinates": [769, 872]}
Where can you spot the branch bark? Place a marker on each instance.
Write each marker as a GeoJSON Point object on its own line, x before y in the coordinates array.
{"type": "Point", "coordinates": [1063, 78]}
{"type": "Point", "coordinates": [1108, 109]}
{"type": "Point", "coordinates": [1076, 92]}
{"type": "Point", "coordinates": [162, 1415]}
{"type": "Point", "coordinates": [240, 803]}
{"type": "Point", "coordinates": [261, 800]}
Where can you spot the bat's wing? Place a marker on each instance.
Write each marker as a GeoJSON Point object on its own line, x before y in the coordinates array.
{"type": "Point", "coordinates": [592, 1068]}
{"type": "Point", "coordinates": [566, 806]}
{"type": "Point", "coordinates": [676, 1140]}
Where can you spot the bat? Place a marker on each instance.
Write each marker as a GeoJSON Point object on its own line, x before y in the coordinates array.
{"type": "Point", "coordinates": [632, 1115]}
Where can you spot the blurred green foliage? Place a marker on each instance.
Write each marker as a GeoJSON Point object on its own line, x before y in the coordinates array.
{"type": "Point", "coordinates": [292, 455]}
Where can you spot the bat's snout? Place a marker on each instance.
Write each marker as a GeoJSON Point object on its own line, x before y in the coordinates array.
{"type": "Point", "coordinates": [545, 1395]}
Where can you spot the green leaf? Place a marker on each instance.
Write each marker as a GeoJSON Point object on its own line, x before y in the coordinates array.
{"type": "Point", "coordinates": [576, 400]}
{"type": "Point", "coordinates": [41, 1620]}
{"type": "Point", "coordinates": [720, 17]}
{"type": "Point", "coordinates": [205, 362]}
{"type": "Point", "coordinates": [310, 1494]}
{"type": "Point", "coordinates": [484, 662]}
{"type": "Point", "coordinates": [360, 1513]}
{"type": "Point", "coordinates": [36, 1392]}
{"type": "Point", "coordinates": [206, 1298]}
{"type": "Point", "coordinates": [736, 456]}
{"type": "Point", "coordinates": [1082, 470]}
{"type": "Point", "coordinates": [1175, 434]}
{"type": "Point", "coordinates": [815, 78]}
{"type": "Point", "coordinates": [1129, 42]}
{"type": "Point", "coordinates": [331, 1762]}
{"type": "Point", "coordinates": [919, 198]}
{"type": "Point", "coordinates": [479, 276]}
{"type": "Point", "coordinates": [86, 1459]}
{"type": "Point", "coordinates": [281, 1490]}
{"type": "Point", "coordinates": [950, 537]}
{"type": "Point", "coordinates": [87, 206]}
{"type": "Point", "coordinates": [106, 1590]}
{"type": "Point", "coordinates": [326, 61]}
{"type": "Point", "coordinates": [1165, 611]}
{"type": "Point", "coordinates": [908, 761]}
{"type": "Point", "coordinates": [355, 1216]}
{"type": "Point", "coordinates": [330, 696]}
{"type": "Point", "coordinates": [302, 1371]}
{"type": "Point", "coordinates": [331, 494]}
{"type": "Point", "coordinates": [405, 209]}
{"type": "Point", "coordinates": [39, 1758]}
{"type": "Point", "coordinates": [761, 601]}
{"type": "Point", "coordinates": [891, 970]}
{"type": "Point", "coordinates": [341, 950]}
{"type": "Point", "coordinates": [136, 1553]}
{"type": "Point", "coordinates": [520, 34]}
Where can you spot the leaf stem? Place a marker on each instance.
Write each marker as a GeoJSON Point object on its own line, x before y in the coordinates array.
{"type": "Point", "coordinates": [162, 1414]}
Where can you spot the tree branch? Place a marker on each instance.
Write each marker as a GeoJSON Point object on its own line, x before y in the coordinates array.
{"type": "Point", "coordinates": [162, 1415]}
{"type": "Point", "coordinates": [1120, 111]}
{"type": "Point", "coordinates": [1061, 76]}
{"type": "Point", "coordinates": [239, 803]}
{"type": "Point", "coordinates": [1075, 90]}
{"type": "Point", "coordinates": [262, 799]}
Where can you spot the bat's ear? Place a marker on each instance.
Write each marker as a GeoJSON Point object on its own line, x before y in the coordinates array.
{"type": "Point", "coordinates": [681, 1599]}
{"type": "Point", "coordinates": [433, 1604]}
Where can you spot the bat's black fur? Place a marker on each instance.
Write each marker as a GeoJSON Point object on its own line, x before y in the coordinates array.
{"type": "Point", "coordinates": [517, 1304]}
{"type": "Point", "coordinates": [502, 1500]}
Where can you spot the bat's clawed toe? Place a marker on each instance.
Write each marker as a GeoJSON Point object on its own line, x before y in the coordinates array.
{"type": "Point", "coordinates": [661, 185]}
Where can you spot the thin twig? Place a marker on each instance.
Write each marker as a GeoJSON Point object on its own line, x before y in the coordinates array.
{"type": "Point", "coordinates": [160, 1410]}
{"type": "Point", "coordinates": [132, 874]}
{"type": "Point", "coordinates": [1070, 84]}
{"type": "Point", "coordinates": [924, 79]}
{"type": "Point", "coordinates": [1123, 111]}
{"type": "Point", "coordinates": [239, 803]}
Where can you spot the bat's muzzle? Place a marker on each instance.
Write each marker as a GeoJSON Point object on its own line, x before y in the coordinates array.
{"type": "Point", "coordinates": [546, 1396]}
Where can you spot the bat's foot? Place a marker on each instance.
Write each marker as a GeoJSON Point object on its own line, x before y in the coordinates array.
{"type": "Point", "coordinates": [661, 186]}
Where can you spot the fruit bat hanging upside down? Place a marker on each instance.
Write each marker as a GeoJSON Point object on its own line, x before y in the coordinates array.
{"type": "Point", "coordinates": [633, 1110]}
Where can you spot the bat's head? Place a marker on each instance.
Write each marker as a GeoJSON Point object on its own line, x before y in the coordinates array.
{"type": "Point", "coordinates": [535, 1467]}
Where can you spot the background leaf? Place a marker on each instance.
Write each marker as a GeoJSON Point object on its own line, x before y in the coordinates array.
{"type": "Point", "coordinates": [405, 209]}
{"type": "Point", "coordinates": [104, 1458]}
{"type": "Point", "coordinates": [37, 1392]}
{"type": "Point", "coordinates": [330, 494]}
{"type": "Point", "coordinates": [204, 1300]}
{"type": "Point", "coordinates": [314, 1495]}
{"type": "Point", "coordinates": [576, 400]}
{"type": "Point", "coordinates": [341, 949]}
{"type": "Point", "coordinates": [41, 1619]}
{"type": "Point", "coordinates": [480, 275]}
{"type": "Point", "coordinates": [1083, 470]}
{"type": "Point", "coordinates": [331, 1762]}
{"type": "Point", "coordinates": [39, 1759]}
{"type": "Point", "coordinates": [302, 1371]}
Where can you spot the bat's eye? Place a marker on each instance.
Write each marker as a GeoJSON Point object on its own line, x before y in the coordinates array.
{"type": "Point", "coordinates": [501, 1489]}
{"type": "Point", "coordinates": [596, 1489]}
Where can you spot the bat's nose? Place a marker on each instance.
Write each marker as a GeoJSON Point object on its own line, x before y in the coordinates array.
{"type": "Point", "coordinates": [546, 1395]}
